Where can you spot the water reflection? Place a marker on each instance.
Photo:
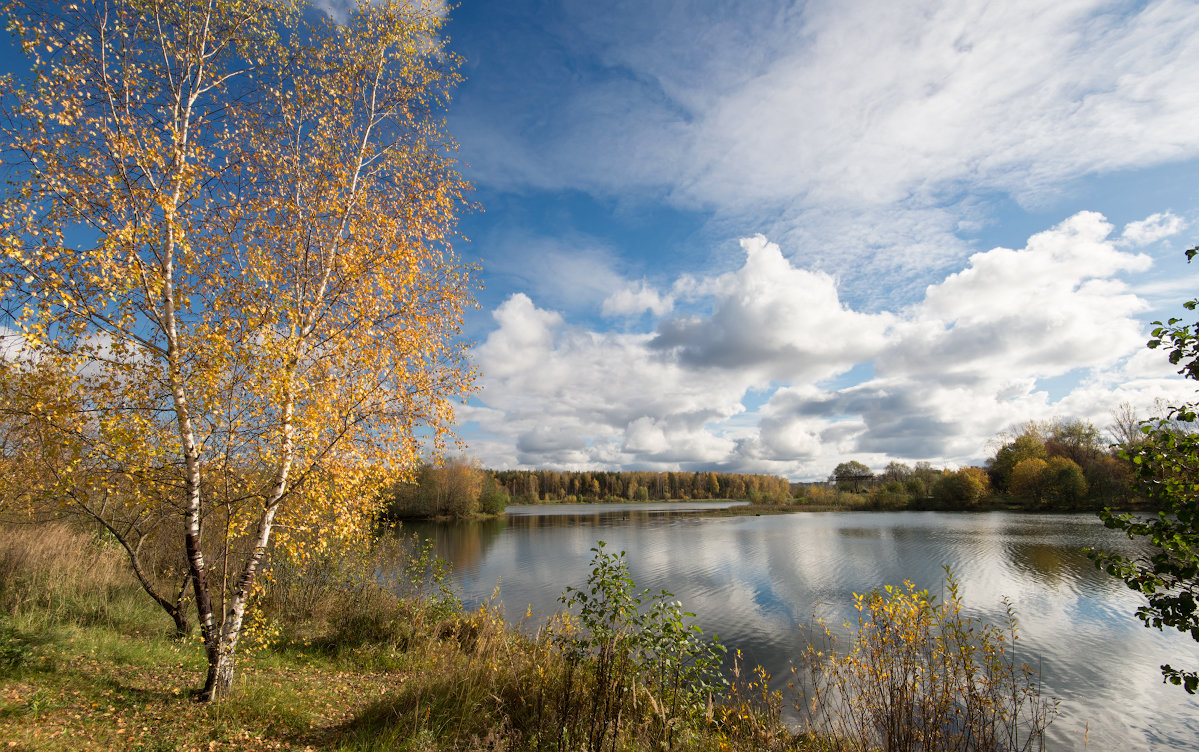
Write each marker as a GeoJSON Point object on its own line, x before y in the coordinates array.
{"type": "Point", "coordinates": [758, 582]}
{"type": "Point", "coordinates": [464, 545]}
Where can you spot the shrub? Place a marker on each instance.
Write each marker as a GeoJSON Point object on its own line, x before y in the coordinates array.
{"type": "Point", "coordinates": [492, 498]}
{"type": "Point", "coordinates": [1024, 447]}
{"type": "Point", "coordinates": [966, 486]}
{"type": "Point", "coordinates": [452, 489]}
{"type": "Point", "coordinates": [916, 487]}
{"type": "Point", "coordinates": [1028, 478]}
{"type": "Point", "coordinates": [892, 495]}
{"type": "Point", "coordinates": [919, 675]}
{"type": "Point", "coordinates": [750, 715]}
{"type": "Point", "coordinates": [1059, 480]}
{"type": "Point", "coordinates": [633, 663]}
{"type": "Point", "coordinates": [1065, 481]}
{"type": "Point", "coordinates": [1109, 479]}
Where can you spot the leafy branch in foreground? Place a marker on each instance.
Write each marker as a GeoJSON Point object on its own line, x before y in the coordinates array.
{"type": "Point", "coordinates": [1166, 463]}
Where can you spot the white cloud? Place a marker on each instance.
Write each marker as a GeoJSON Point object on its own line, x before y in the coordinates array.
{"type": "Point", "coordinates": [977, 355]}
{"type": "Point", "coordinates": [339, 10]}
{"type": "Point", "coordinates": [886, 99]}
{"type": "Point", "coordinates": [636, 300]}
{"type": "Point", "coordinates": [1042, 310]}
{"type": "Point", "coordinates": [1152, 229]}
{"type": "Point", "coordinates": [771, 320]}
{"type": "Point", "coordinates": [967, 361]}
{"type": "Point", "coordinates": [572, 397]}
{"type": "Point", "coordinates": [884, 109]}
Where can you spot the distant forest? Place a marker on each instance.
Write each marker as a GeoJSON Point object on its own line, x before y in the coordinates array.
{"type": "Point", "coordinates": [531, 486]}
{"type": "Point", "coordinates": [459, 488]}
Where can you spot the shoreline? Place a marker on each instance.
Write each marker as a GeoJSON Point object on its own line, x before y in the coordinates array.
{"type": "Point", "coordinates": [746, 508]}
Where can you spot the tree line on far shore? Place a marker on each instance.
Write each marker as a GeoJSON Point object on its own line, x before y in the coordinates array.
{"type": "Point", "coordinates": [460, 488]}
{"type": "Point", "coordinates": [1064, 464]}
{"type": "Point", "coordinates": [532, 486]}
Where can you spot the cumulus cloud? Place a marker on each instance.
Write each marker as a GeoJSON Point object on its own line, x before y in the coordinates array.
{"type": "Point", "coordinates": [525, 335]}
{"type": "Point", "coordinates": [772, 318]}
{"type": "Point", "coordinates": [1152, 229]}
{"type": "Point", "coordinates": [941, 377]}
{"type": "Point", "coordinates": [1042, 310]}
{"type": "Point", "coordinates": [586, 390]}
{"type": "Point", "coordinates": [636, 300]}
{"type": "Point", "coordinates": [966, 362]}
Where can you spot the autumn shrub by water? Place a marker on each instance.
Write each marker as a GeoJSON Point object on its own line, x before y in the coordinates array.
{"type": "Point", "coordinates": [338, 661]}
{"type": "Point", "coordinates": [916, 674]}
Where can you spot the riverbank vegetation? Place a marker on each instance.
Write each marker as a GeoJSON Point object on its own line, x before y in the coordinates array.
{"type": "Point", "coordinates": [336, 661]}
{"type": "Point", "coordinates": [1165, 453]}
{"type": "Point", "coordinates": [918, 674]}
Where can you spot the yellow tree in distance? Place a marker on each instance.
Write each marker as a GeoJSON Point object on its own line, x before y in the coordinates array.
{"type": "Point", "coordinates": [231, 304]}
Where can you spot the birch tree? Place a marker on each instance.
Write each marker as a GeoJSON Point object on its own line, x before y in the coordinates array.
{"type": "Point", "coordinates": [232, 304]}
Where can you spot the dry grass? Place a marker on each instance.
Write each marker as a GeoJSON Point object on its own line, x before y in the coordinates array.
{"type": "Point", "coordinates": [53, 572]}
{"type": "Point", "coordinates": [55, 556]}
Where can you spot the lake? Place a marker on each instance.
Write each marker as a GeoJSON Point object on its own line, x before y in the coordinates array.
{"type": "Point", "coordinates": [759, 582]}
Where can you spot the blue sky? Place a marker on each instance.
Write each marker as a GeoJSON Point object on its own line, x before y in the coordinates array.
{"type": "Point", "coordinates": [771, 236]}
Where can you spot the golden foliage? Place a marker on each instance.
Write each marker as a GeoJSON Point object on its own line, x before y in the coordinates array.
{"type": "Point", "coordinates": [226, 261]}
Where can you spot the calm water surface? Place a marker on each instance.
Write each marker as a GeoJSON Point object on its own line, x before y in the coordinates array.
{"type": "Point", "coordinates": [758, 582]}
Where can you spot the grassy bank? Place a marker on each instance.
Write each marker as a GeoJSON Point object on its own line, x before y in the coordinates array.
{"type": "Point", "coordinates": [332, 661]}
{"type": "Point", "coordinates": [88, 662]}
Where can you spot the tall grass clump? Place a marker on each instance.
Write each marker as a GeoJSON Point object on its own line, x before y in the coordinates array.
{"type": "Point", "coordinates": [918, 675]}
{"type": "Point", "coordinates": [53, 572]}
{"type": "Point", "coordinates": [459, 688]}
